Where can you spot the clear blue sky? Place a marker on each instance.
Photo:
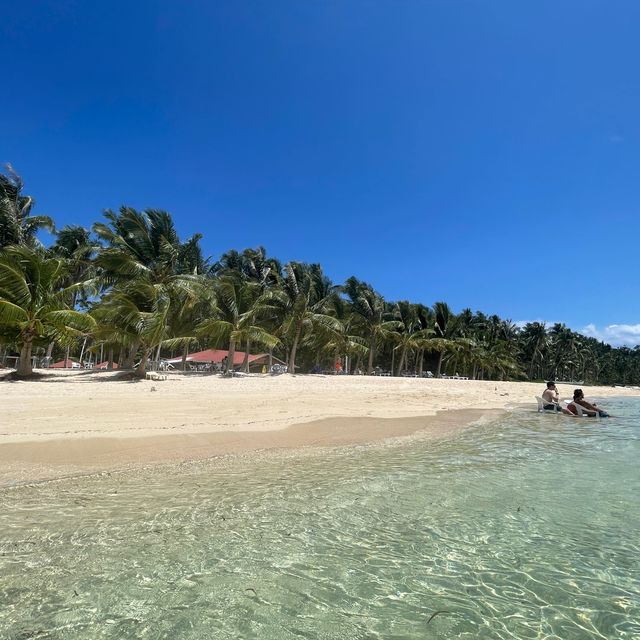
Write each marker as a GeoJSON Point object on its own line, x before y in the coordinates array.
{"type": "Point", "coordinates": [482, 153]}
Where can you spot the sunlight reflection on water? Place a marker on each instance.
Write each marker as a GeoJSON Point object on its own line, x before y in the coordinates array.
{"type": "Point", "coordinates": [522, 528]}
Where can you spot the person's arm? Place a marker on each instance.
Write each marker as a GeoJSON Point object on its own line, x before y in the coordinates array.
{"type": "Point", "coordinates": [589, 406]}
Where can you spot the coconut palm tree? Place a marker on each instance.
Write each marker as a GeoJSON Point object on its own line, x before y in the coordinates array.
{"type": "Point", "coordinates": [75, 245]}
{"type": "Point", "coordinates": [35, 302]}
{"type": "Point", "coordinates": [252, 265]}
{"type": "Point", "coordinates": [139, 310]}
{"type": "Point", "coordinates": [144, 267]}
{"type": "Point", "coordinates": [369, 307]}
{"type": "Point", "coordinates": [446, 329]}
{"type": "Point", "coordinates": [191, 308]}
{"type": "Point", "coordinates": [339, 339]}
{"type": "Point", "coordinates": [303, 303]}
{"type": "Point", "coordinates": [408, 332]}
{"type": "Point", "coordinates": [238, 305]}
{"type": "Point", "coordinates": [534, 340]}
{"type": "Point", "coordinates": [17, 225]}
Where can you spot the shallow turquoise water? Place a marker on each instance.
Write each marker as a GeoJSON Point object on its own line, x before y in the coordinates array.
{"type": "Point", "coordinates": [527, 527]}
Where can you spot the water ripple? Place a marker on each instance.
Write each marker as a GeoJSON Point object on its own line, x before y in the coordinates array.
{"type": "Point", "coordinates": [523, 528]}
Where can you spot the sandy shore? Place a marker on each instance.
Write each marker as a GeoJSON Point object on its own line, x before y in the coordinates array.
{"type": "Point", "coordinates": [75, 422]}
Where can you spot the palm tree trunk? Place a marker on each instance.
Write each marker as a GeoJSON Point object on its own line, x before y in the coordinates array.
{"type": "Point", "coordinates": [439, 367]}
{"type": "Point", "coordinates": [110, 358]}
{"type": "Point", "coordinates": [421, 362]}
{"type": "Point", "coordinates": [245, 362]}
{"type": "Point", "coordinates": [49, 352]}
{"type": "Point", "coordinates": [402, 359]}
{"type": "Point", "coordinates": [84, 344]}
{"type": "Point", "coordinates": [372, 353]}
{"type": "Point", "coordinates": [25, 365]}
{"type": "Point", "coordinates": [230, 356]}
{"type": "Point", "coordinates": [130, 357]}
{"type": "Point", "coordinates": [185, 353]}
{"type": "Point", "coordinates": [294, 348]}
{"type": "Point", "coordinates": [393, 358]}
{"type": "Point", "coordinates": [141, 371]}
{"type": "Point", "coordinates": [157, 363]}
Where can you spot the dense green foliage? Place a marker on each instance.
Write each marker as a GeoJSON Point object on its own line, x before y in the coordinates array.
{"type": "Point", "coordinates": [133, 290]}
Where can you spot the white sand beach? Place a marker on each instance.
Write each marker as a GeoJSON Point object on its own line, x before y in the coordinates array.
{"type": "Point", "coordinates": [74, 422]}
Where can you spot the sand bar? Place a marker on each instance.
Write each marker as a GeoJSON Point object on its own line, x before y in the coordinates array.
{"type": "Point", "coordinates": [77, 422]}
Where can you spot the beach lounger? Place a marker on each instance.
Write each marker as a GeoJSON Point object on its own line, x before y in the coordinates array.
{"type": "Point", "coordinates": [154, 375]}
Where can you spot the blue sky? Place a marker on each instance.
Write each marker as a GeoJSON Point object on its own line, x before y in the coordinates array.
{"type": "Point", "coordinates": [482, 153]}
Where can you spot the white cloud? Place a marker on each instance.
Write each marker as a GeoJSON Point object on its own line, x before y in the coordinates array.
{"type": "Point", "coordinates": [617, 335]}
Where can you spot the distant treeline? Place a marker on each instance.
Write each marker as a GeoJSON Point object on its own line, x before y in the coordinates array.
{"type": "Point", "coordinates": [132, 290]}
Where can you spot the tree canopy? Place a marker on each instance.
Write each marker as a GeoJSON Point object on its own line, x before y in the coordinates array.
{"type": "Point", "coordinates": [132, 286]}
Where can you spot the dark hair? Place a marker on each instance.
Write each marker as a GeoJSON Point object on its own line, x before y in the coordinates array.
{"type": "Point", "coordinates": [550, 384]}
{"type": "Point", "coordinates": [577, 393]}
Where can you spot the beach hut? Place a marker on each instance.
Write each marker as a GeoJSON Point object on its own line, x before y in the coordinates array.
{"type": "Point", "coordinates": [105, 365]}
{"type": "Point", "coordinates": [256, 361]}
{"type": "Point", "coordinates": [65, 364]}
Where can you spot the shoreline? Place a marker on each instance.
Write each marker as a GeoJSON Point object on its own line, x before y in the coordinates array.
{"type": "Point", "coordinates": [74, 423]}
{"type": "Point", "coordinates": [25, 463]}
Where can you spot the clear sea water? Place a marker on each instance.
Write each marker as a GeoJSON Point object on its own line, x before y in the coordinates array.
{"type": "Point", "coordinates": [527, 527]}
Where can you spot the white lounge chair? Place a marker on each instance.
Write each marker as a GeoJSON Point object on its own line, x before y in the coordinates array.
{"type": "Point", "coordinates": [582, 412]}
{"type": "Point", "coordinates": [542, 403]}
{"type": "Point", "coordinates": [155, 376]}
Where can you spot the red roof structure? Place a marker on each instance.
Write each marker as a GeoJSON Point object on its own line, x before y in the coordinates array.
{"type": "Point", "coordinates": [64, 364]}
{"type": "Point", "coordinates": [216, 355]}
{"type": "Point", "coordinates": [105, 365]}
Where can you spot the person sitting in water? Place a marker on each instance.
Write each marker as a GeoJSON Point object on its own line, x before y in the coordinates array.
{"type": "Point", "coordinates": [552, 399]}
{"type": "Point", "coordinates": [592, 410]}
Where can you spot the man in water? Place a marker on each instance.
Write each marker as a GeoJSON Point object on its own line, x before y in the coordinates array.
{"type": "Point", "coordinates": [592, 410]}
{"type": "Point", "coordinates": [552, 399]}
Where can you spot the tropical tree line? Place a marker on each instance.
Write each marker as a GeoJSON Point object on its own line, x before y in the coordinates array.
{"type": "Point", "coordinates": [133, 291]}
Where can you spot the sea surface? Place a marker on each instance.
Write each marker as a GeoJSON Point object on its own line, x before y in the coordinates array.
{"type": "Point", "coordinates": [525, 527]}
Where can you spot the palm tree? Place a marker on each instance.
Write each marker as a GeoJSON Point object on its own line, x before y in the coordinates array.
{"type": "Point", "coordinates": [17, 225]}
{"type": "Point", "coordinates": [35, 302]}
{"type": "Point", "coordinates": [445, 330]}
{"type": "Point", "coordinates": [235, 319]}
{"type": "Point", "coordinates": [144, 267]}
{"type": "Point", "coordinates": [252, 265]}
{"type": "Point", "coordinates": [139, 309]}
{"type": "Point", "coordinates": [191, 308]}
{"type": "Point", "coordinates": [303, 303]}
{"type": "Point", "coordinates": [535, 341]}
{"type": "Point", "coordinates": [341, 339]}
{"type": "Point", "coordinates": [369, 307]}
{"type": "Point", "coordinates": [75, 245]}
{"type": "Point", "coordinates": [409, 332]}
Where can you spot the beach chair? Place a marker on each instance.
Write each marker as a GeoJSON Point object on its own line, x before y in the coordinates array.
{"type": "Point", "coordinates": [541, 406]}
{"type": "Point", "coordinates": [277, 369]}
{"type": "Point", "coordinates": [582, 412]}
{"type": "Point", "coordinates": [155, 376]}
